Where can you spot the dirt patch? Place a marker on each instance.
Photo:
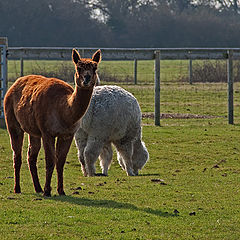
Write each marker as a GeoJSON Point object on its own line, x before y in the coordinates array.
{"type": "Point", "coordinates": [178, 116]}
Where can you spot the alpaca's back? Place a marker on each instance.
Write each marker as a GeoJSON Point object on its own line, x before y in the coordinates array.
{"type": "Point", "coordinates": [112, 114]}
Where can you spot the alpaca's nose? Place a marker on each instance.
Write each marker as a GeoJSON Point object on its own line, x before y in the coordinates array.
{"type": "Point", "coordinates": [87, 79]}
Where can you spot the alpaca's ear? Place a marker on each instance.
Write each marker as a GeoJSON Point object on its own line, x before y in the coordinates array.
{"type": "Point", "coordinates": [96, 57]}
{"type": "Point", "coordinates": [75, 56]}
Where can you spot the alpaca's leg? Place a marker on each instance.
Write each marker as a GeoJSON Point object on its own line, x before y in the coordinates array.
{"type": "Point", "coordinates": [62, 148]}
{"type": "Point", "coordinates": [50, 158]}
{"type": "Point", "coordinates": [120, 160]}
{"type": "Point", "coordinates": [125, 149]}
{"type": "Point", "coordinates": [106, 158]}
{"type": "Point", "coordinates": [82, 161]}
{"type": "Point", "coordinates": [81, 144]}
{"type": "Point", "coordinates": [33, 150]}
{"type": "Point", "coordinates": [16, 135]}
{"type": "Point", "coordinates": [91, 153]}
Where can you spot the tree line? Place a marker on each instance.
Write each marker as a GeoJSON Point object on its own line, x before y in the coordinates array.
{"type": "Point", "coordinates": [121, 23]}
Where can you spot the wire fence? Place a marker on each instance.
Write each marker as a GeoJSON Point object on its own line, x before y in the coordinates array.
{"type": "Point", "coordinates": [174, 83]}
{"type": "Point", "coordinates": [205, 97]}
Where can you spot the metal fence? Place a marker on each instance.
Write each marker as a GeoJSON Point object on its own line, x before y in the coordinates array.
{"type": "Point", "coordinates": [162, 79]}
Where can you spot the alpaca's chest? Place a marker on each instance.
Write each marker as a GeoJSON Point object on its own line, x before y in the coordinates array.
{"type": "Point", "coordinates": [57, 126]}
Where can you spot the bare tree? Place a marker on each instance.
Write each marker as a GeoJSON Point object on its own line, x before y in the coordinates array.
{"type": "Point", "coordinates": [222, 5]}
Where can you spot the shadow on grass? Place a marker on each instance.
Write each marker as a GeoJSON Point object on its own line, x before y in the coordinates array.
{"type": "Point", "coordinates": [110, 204]}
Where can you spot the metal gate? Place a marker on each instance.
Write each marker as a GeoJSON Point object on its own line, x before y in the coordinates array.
{"type": "Point", "coordinates": [3, 77]}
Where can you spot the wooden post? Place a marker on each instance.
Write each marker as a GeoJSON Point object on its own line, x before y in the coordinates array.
{"type": "Point", "coordinates": [22, 67]}
{"type": "Point", "coordinates": [3, 76]}
{"type": "Point", "coordinates": [230, 86]}
{"type": "Point", "coordinates": [1, 85]}
{"type": "Point", "coordinates": [135, 71]}
{"type": "Point", "coordinates": [4, 41]}
{"type": "Point", "coordinates": [190, 71]}
{"type": "Point", "coordinates": [157, 88]}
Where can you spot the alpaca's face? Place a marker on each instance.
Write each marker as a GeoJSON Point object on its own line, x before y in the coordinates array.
{"type": "Point", "coordinates": [86, 73]}
{"type": "Point", "coordinates": [86, 69]}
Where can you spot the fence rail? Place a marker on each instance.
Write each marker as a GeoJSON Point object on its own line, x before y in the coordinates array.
{"type": "Point", "coordinates": [53, 53]}
{"type": "Point", "coordinates": [157, 54]}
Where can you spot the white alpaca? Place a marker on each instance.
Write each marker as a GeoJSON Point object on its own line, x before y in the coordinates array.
{"type": "Point", "coordinates": [114, 116]}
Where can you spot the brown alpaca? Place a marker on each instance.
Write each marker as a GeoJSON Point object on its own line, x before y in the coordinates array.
{"type": "Point", "coordinates": [48, 108]}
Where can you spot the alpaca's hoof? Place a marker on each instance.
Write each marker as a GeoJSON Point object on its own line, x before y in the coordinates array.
{"type": "Point", "coordinates": [17, 190]}
{"type": "Point", "coordinates": [91, 174]}
{"type": "Point", "coordinates": [100, 175]}
{"type": "Point", "coordinates": [135, 172]}
{"type": "Point", "coordinates": [130, 173]}
{"type": "Point", "coordinates": [62, 193]}
{"type": "Point", "coordinates": [84, 172]}
{"type": "Point", "coordinates": [47, 194]}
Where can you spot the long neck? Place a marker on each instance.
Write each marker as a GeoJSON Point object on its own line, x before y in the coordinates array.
{"type": "Point", "coordinates": [79, 102]}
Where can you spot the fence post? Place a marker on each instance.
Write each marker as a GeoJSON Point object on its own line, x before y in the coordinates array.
{"type": "Point", "coordinates": [135, 71]}
{"type": "Point", "coordinates": [22, 67]}
{"type": "Point", "coordinates": [230, 86]}
{"type": "Point", "coordinates": [3, 76]}
{"type": "Point", "coordinates": [157, 88]}
{"type": "Point", "coordinates": [190, 71]}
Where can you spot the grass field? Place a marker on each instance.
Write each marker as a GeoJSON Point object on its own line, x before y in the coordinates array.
{"type": "Point", "coordinates": [189, 189]}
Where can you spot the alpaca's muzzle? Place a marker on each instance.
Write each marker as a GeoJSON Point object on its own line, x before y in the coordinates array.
{"type": "Point", "coordinates": [87, 79]}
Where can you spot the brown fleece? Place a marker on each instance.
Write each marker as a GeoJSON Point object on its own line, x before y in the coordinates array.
{"type": "Point", "coordinates": [48, 108]}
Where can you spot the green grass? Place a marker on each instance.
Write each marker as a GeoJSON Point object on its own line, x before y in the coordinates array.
{"type": "Point", "coordinates": [198, 159]}
{"type": "Point", "coordinates": [198, 162]}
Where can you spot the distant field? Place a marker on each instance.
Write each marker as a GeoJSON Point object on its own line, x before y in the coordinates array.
{"type": "Point", "coordinates": [177, 95]}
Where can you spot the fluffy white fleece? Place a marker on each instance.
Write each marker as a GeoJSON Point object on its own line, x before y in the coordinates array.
{"type": "Point", "coordinates": [113, 117]}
